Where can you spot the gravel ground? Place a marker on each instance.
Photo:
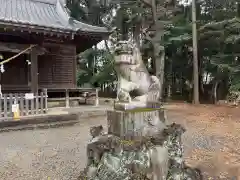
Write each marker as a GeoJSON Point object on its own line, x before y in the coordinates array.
{"type": "Point", "coordinates": [51, 154]}
{"type": "Point", "coordinates": [59, 153]}
{"type": "Point", "coordinates": [211, 142]}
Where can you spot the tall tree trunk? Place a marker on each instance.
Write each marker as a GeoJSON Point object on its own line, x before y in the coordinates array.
{"type": "Point", "coordinates": [238, 9]}
{"type": "Point", "coordinates": [136, 35]}
{"type": "Point", "coordinates": [136, 40]}
{"type": "Point", "coordinates": [94, 61]}
{"type": "Point", "coordinates": [154, 16]}
{"type": "Point", "coordinates": [170, 80]}
{"type": "Point", "coordinates": [160, 70]}
{"type": "Point", "coordinates": [159, 54]}
{"type": "Point", "coordinates": [195, 56]}
{"type": "Point", "coordinates": [214, 91]}
{"type": "Point", "coordinates": [153, 64]}
{"type": "Point", "coordinates": [159, 51]}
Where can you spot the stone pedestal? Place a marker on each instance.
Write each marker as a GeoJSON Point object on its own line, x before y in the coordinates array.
{"type": "Point", "coordinates": [135, 127]}
{"type": "Point", "coordinates": [134, 124]}
{"type": "Point", "coordinates": [136, 105]}
{"type": "Point", "coordinates": [138, 146]}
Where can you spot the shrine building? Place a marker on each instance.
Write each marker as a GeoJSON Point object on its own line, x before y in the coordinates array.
{"type": "Point", "coordinates": [42, 42]}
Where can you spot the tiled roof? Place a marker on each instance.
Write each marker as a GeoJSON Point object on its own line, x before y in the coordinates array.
{"type": "Point", "coordinates": [50, 14]}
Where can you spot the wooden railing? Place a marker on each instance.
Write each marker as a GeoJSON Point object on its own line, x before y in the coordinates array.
{"type": "Point", "coordinates": [81, 93]}
{"type": "Point", "coordinates": [22, 104]}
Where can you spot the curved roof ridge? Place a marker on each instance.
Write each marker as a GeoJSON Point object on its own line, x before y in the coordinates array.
{"type": "Point", "coordinates": [53, 2]}
{"type": "Point", "coordinates": [40, 14]}
{"type": "Point", "coordinates": [62, 12]}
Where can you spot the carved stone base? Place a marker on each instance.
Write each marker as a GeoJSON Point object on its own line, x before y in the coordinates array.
{"type": "Point", "coordinates": [136, 123]}
{"type": "Point", "coordinates": [134, 105]}
{"type": "Point", "coordinates": [138, 145]}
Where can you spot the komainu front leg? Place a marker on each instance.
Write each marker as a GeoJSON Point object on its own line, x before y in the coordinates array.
{"type": "Point", "coordinates": [123, 95]}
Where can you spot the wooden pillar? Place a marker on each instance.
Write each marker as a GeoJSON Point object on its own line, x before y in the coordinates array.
{"type": "Point", "coordinates": [67, 98]}
{"type": "Point", "coordinates": [34, 70]}
{"type": "Point", "coordinates": [97, 98]}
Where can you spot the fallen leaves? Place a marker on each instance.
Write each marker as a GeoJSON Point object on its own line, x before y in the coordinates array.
{"type": "Point", "coordinates": [218, 122]}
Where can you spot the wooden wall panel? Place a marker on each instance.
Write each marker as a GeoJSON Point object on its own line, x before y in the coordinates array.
{"type": "Point", "coordinates": [15, 70]}
{"type": "Point", "coordinates": [45, 69]}
{"type": "Point", "coordinates": [57, 68]}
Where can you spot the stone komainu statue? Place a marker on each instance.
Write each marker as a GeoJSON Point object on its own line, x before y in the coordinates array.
{"type": "Point", "coordinates": [133, 76]}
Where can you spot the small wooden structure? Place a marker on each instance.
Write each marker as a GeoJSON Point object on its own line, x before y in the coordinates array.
{"type": "Point", "coordinates": [80, 93]}
{"type": "Point", "coordinates": [54, 39]}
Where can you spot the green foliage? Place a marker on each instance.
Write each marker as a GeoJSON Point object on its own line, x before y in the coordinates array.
{"type": "Point", "coordinates": [90, 11]}
{"type": "Point", "coordinates": [105, 72]}
{"type": "Point", "coordinates": [218, 44]}
{"type": "Point", "coordinates": [225, 53]}
{"type": "Point", "coordinates": [218, 39]}
{"type": "Point", "coordinates": [96, 67]}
